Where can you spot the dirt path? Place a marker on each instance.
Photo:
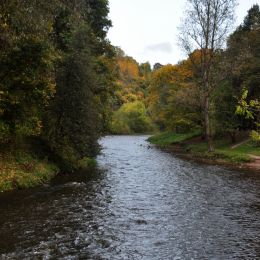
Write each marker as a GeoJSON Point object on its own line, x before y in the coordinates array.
{"type": "Point", "coordinates": [256, 163]}
{"type": "Point", "coordinates": [237, 145]}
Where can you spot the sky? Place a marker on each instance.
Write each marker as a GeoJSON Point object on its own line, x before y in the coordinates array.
{"type": "Point", "coordinates": [147, 29]}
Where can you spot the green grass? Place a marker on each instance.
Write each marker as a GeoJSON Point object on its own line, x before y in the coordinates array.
{"type": "Point", "coordinates": [248, 148]}
{"type": "Point", "coordinates": [168, 138]}
{"type": "Point", "coordinates": [20, 170]}
{"type": "Point", "coordinates": [87, 163]}
{"type": "Point", "coordinates": [223, 151]}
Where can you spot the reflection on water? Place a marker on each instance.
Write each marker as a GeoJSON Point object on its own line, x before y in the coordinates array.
{"type": "Point", "coordinates": [142, 204]}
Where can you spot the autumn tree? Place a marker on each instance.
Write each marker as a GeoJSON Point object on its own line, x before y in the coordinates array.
{"type": "Point", "coordinates": [174, 102]}
{"type": "Point", "coordinates": [205, 28]}
{"type": "Point", "coordinates": [27, 59]}
{"type": "Point", "coordinates": [56, 74]}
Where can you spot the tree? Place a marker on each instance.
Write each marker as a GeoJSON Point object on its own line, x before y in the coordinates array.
{"type": "Point", "coordinates": [243, 54]}
{"type": "Point", "coordinates": [250, 109]}
{"type": "Point", "coordinates": [174, 103]}
{"type": "Point", "coordinates": [73, 122]}
{"type": "Point", "coordinates": [241, 67]}
{"type": "Point", "coordinates": [131, 118]}
{"type": "Point", "coordinates": [205, 28]}
{"type": "Point", "coordinates": [145, 70]}
{"type": "Point", "coordinates": [27, 59]}
{"type": "Point", "coordinates": [252, 20]}
{"type": "Point", "coordinates": [157, 66]}
{"type": "Point", "coordinates": [56, 74]}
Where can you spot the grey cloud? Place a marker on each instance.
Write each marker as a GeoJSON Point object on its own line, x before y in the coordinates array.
{"type": "Point", "coordinates": [161, 47]}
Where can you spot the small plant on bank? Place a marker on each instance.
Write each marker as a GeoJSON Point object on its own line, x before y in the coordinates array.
{"type": "Point", "coordinates": [87, 163]}
{"type": "Point", "coordinates": [255, 137]}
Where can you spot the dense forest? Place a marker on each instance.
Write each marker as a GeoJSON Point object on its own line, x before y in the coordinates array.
{"type": "Point", "coordinates": [56, 82]}
{"type": "Point", "coordinates": [63, 85]}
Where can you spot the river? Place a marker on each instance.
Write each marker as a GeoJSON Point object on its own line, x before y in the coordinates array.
{"type": "Point", "coordinates": [141, 203]}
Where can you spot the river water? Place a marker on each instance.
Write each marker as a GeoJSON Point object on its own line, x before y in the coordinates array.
{"type": "Point", "coordinates": [142, 203]}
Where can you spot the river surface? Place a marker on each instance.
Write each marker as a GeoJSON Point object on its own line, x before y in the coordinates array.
{"type": "Point", "coordinates": [142, 203]}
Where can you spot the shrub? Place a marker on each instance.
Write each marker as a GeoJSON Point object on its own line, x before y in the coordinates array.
{"type": "Point", "coordinates": [255, 136]}
{"type": "Point", "coordinates": [131, 118]}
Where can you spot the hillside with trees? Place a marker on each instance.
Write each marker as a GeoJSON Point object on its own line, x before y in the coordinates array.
{"type": "Point", "coordinates": [130, 97]}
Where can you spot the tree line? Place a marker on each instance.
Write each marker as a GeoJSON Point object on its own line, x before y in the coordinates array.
{"type": "Point", "coordinates": [56, 74]}
{"type": "Point", "coordinates": [216, 89]}
{"type": "Point", "coordinates": [62, 81]}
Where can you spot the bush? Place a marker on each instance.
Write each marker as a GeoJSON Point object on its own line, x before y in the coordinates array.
{"type": "Point", "coordinates": [183, 126]}
{"type": "Point", "coordinates": [255, 136]}
{"type": "Point", "coordinates": [131, 118]}
{"type": "Point", "coordinates": [87, 163]}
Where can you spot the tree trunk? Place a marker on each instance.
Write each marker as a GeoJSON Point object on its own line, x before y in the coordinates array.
{"type": "Point", "coordinates": [232, 135]}
{"type": "Point", "coordinates": [207, 126]}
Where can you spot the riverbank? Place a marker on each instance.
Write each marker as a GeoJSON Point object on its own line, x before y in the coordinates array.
{"type": "Point", "coordinates": [28, 164]}
{"type": "Point", "coordinates": [21, 169]}
{"type": "Point", "coordinates": [190, 146]}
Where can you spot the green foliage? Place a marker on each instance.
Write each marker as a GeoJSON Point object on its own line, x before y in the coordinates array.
{"type": "Point", "coordinates": [252, 20]}
{"type": "Point", "coordinates": [243, 56]}
{"type": "Point", "coordinates": [56, 75]}
{"type": "Point", "coordinates": [183, 125]}
{"type": "Point", "coordinates": [248, 109]}
{"type": "Point", "coordinates": [27, 85]}
{"type": "Point", "coordinates": [224, 152]}
{"type": "Point", "coordinates": [80, 109]}
{"type": "Point", "coordinates": [231, 156]}
{"type": "Point", "coordinates": [21, 170]}
{"type": "Point", "coordinates": [145, 70]}
{"type": "Point", "coordinates": [73, 126]}
{"type": "Point", "coordinates": [131, 118]}
{"type": "Point", "coordinates": [255, 136]}
{"type": "Point", "coordinates": [198, 147]}
{"type": "Point", "coordinates": [87, 163]}
{"type": "Point", "coordinates": [226, 121]}
{"type": "Point", "coordinates": [97, 16]}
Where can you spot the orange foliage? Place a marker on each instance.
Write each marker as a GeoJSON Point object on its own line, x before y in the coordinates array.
{"type": "Point", "coordinates": [128, 68]}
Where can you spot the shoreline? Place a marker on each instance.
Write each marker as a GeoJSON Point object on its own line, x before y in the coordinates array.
{"type": "Point", "coordinates": [200, 158]}
{"type": "Point", "coordinates": [24, 169]}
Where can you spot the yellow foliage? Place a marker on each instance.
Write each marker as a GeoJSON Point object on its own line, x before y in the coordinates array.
{"type": "Point", "coordinates": [128, 68]}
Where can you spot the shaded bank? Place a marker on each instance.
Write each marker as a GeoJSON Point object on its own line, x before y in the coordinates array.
{"type": "Point", "coordinates": [29, 163]}
{"type": "Point", "coordinates": [22, 170]}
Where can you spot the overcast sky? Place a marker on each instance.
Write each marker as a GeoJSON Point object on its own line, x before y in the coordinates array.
{"type": "Point", "coordinates": [147, 29]}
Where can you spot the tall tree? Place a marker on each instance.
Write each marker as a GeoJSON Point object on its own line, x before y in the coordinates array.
{"type": "Point", "coordinates": [241, 60]}
{"type": "Point", "coordinates": [74, 120]}
{"type": "Point", "coordinates": [27, 66]}
{"type": "Point", "coordinates": [205, 27]}
{"type": "Point", "coordinates": [73, 124]}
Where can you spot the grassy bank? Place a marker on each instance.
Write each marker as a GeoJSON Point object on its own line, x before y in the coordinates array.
{"type": "Point", "coordinates": [20, 170]}
{"type": "Point", "coordinates": [192, 145]}
{"type": "Point", "coordinates": [27, 163]}
{"type": "Point", "coordinates": [167, 138]}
